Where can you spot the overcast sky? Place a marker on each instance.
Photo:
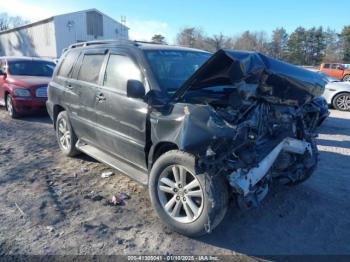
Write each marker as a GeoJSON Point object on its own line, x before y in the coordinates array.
{"type": "Point", "coordinates": [231, 17]}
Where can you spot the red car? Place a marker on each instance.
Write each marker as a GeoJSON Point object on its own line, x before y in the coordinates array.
{"type": "Point", "coordinates": [23, 84]}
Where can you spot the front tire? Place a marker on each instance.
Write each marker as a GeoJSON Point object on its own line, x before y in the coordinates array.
{"type": "Point", "coordinates": [189, 202]}
{"type": "Point", "coordinates": [10, 107]}
{"type": "Point", "coordinates": [65, 135]}
{"type": "Point", "coordinates": [342, 102]}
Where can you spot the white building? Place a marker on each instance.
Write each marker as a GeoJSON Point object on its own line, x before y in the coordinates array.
{"type": "Point", "coordinates": [47, 38]}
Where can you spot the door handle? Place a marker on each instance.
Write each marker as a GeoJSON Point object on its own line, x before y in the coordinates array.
{"type": "Point", "coordinates": [69, 86]}
{"type": "Point", "coordinates": [100, 97]}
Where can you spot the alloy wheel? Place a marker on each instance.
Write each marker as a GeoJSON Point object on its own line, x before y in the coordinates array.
{"type": "Point", "coordinates": [64, 135]}
{"type": "Point", "coordinates": [180, 194]}
{"type": "Point", "coordinates": [343, 102]}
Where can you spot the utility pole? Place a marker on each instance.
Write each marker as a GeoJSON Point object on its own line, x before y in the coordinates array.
{"type": "Point", "coordinates": [123, 25]}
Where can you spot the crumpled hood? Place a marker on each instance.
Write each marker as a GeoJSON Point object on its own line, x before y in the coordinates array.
{"type": "Point", "coordinates": [275, 80]}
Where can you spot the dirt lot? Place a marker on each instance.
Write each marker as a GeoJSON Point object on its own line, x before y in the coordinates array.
{"type": "Point", "coordinates": [65, 210]}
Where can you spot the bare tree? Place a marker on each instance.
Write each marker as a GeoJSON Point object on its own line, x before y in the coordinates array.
{"type": "Point", "coordinates": [8, 22]}
{"type": "Point", "coordinates": [252, 41]}
{"type": "Point", "coordinates": [219, 41]}
{"type": "Point", "coordinates": [278, 47]}
{"type": "Point", "coordinates": [333, 51]}
{"type": "Point", "coordinates": [192, 37]}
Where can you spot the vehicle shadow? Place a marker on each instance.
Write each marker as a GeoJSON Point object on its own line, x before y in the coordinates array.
{"type": "Point", "coordinates": [40, 117]}
{"type": "Point", "coordinates": [86, 158]}
{"type": "Point", "coordinates": [336, 126]}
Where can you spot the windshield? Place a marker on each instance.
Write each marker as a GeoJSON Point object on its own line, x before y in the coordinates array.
{"type": "Point", "coordinates": [172, 68]}
{"type": "Point", "coordinates": [31, 68]}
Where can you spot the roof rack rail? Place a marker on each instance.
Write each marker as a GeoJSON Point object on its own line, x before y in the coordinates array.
{"type": "Point", "coordinates": [108, 42]}
{"type": "Point", "coordinates": [98, 42]}
{"type": "Point", "coordinates": [148, 42]}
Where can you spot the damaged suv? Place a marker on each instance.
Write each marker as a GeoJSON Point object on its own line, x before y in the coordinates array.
{"type": "Point", "coordinates": [198, 129]}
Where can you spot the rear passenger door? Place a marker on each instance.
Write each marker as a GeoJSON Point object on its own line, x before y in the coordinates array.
{"type": "Point", "coordinates": [84, 86]}
{"type": "Point", "coordinates": [121, 120]}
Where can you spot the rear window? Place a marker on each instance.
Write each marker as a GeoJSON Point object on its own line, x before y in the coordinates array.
{"type": "Point", "coordinates": [326, 66]}
{"type": "Point", "coordinates": [67, 64]}
{"type": "Point", "coordinates": [90, 68]}
{"type": "Point", "coordinates": [31, 68]}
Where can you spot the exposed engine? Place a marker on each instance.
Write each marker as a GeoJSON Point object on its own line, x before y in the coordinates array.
{"type": "Point", "coordinates": [272, 142]}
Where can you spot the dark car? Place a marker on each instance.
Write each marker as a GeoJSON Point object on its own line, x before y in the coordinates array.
{"type": "Point", "coordinates": [198, 129]}
{"type": "Point", "coordinates": [23, 84]}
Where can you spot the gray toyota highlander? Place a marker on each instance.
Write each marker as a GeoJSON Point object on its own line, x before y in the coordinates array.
{"type": "Point", "coordinates": [199, 129]}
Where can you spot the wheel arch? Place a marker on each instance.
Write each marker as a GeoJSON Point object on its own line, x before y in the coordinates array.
{"type": "Point", "coordinates": [5, 97]}
{"type": "Point", "coordinates": [339, 93]}
{"type": "Point", "coordinates": [159, 149]}
{"type": "Point", "coordinates": [56, 110]}
{"type": "Point", "coordinates": [347, 75]}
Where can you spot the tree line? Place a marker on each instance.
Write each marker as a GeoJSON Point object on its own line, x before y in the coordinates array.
{"type": "Point", "coordinates": [8, 22]}
{"type": "Point", "coordinates": [302, 47]}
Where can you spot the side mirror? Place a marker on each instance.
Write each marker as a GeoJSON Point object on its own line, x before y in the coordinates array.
{"type": "Point", "coordinates": [135, 89]}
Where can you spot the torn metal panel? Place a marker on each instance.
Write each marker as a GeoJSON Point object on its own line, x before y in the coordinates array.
{"type": "Point", "coordinates": [191, 127]}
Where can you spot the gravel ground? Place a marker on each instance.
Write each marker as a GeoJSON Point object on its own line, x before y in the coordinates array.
{"type": "Point", "coordinates": [50, 204]}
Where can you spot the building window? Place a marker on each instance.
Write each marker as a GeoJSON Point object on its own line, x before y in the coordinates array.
{"type": "Point", "coordinates": [94, 23]}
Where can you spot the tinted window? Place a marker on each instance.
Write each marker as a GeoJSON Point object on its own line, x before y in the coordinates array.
{"type": "Point", "coordinates": [326, 66]}
{"type": "Point", "coordinates": [90, 68]}
{"type": "Point", "coordinates": [119, 70]}
{"type": "Point", "coordinates": [67, 64]}
{"type": "Point", "coordinates": [334, 66]}
{"type": "Point", "coordinates": [173, 68]}
{"type": "Point", "coordinates": [31, 68]}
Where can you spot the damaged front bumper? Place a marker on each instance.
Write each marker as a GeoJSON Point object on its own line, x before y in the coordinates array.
{"type": "Point", "coordinates": [244, 182]}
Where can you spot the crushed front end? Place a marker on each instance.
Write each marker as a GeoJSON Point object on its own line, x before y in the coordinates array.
{"type": "Point", "coordinates": [250, 118]}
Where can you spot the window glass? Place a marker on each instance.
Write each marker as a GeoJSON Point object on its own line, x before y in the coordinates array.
{"type": "Point", "coordinates": [94, 23]}
{"type": "Point", "coordinates": [90, 68]}
{"type": "Point", "coordinates": [67, 64]}
{"type": "Point", "coordinates": [31, 68]}
{"type": "Point", "coordinates": [172, 68]}
{"type": "Point", "coordinates": [334, 66]}
{"type": "Point", "coordinates": [326, 66]}
{"type": "Point", "coordinates": [119, 70]}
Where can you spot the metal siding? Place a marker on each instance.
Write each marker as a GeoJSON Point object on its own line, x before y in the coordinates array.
{"type": "Point", "coordinates": [67, 35]}
{"type": "Point", "coordinates": [49, 38]}
{"type": "Point", "coordinates": [37, 41]}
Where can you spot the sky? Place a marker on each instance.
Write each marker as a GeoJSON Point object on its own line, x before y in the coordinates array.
{"type": "Point", "coordinates": [167, 17]}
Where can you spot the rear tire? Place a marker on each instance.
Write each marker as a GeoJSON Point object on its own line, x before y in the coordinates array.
{"type": "Point", "coordinates": [10, 107]}
{"type": "Point", "coordinates": [342, 102]}
{"type": "Point", "coordinates": [65, 135]}
{"type": "Point", "coordinates": [198, 200]}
